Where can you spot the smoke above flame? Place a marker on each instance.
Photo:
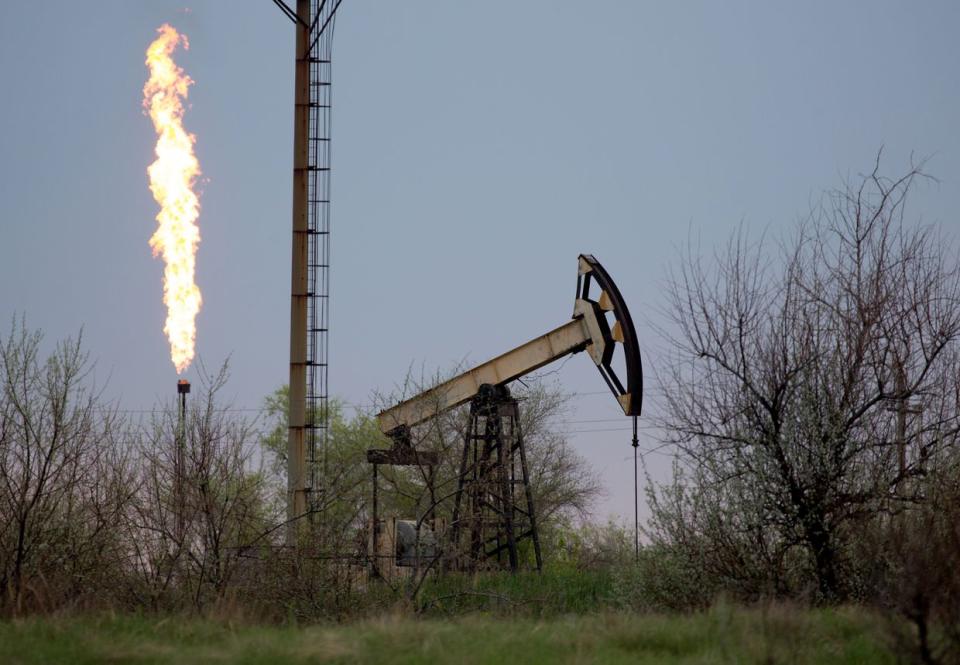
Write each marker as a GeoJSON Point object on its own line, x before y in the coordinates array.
{"type": "Point", "coordinates": [172, 178]}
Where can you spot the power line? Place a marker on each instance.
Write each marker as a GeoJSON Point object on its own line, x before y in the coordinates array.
{"type": "Point", "coordinates": [351, 405]}
{"type": "Point", "coordinates": [573, 421]}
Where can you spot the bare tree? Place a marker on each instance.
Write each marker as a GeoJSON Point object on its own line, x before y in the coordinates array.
{"type": "Point", "coordinates": [564, 483]}
{"type": "Point", "coordinates": [62, 472]}
{"type": "Point", "coordinates": [187, 535]}
{"type": "Point", "coordinates": [807, 388]}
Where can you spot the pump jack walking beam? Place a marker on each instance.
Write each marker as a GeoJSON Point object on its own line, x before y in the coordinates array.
{"type": "Point", "coordinates": [493, 506]}
{"type": "Point", "coordinates": [588, 331]}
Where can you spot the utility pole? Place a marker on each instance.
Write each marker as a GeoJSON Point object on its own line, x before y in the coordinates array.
{"type": "Point", "coordinates": [308, 411]}
{"type": "Point", "coordinates": [902, 409]}
{"type": "Point", "coordinates": [297, 485]}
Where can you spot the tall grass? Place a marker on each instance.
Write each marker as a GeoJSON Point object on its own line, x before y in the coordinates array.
{"type": "Point", "coordinates": [558, 590]}
{"type": "Point", "coordinates": [721, 635]}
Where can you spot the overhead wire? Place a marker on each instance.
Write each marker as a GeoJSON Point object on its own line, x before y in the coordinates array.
{"type": "Point", "coordinates": [351, 405]}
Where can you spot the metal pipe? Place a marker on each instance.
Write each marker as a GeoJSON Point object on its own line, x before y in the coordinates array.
{"type": "Point", "coordinates": [183, 389]}
{"type": "Point", "coordinates": [375, 529]}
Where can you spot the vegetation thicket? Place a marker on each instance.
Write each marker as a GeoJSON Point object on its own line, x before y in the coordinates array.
{"type": "Point", "coordinates": [811, 393]}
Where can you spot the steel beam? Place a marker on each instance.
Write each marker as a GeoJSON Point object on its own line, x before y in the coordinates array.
{"type": "Point", "coordinates": [569, 338]}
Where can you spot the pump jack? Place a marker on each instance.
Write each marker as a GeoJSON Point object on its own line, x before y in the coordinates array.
{"type": "Point", "coordinates": [493, 469]}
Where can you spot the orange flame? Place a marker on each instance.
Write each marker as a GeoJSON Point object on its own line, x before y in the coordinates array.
{"type": "Point", "coordinates": [172, 177]}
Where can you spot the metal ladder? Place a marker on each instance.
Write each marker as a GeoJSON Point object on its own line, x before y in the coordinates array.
{"type": "Point", "coordinates": [318, 246]}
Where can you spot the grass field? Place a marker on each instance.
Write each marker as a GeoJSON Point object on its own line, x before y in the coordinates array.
{"type": "Point", "coordinates": [721, 635]}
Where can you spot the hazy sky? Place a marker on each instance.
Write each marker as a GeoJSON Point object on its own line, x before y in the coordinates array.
{"type": "Point", "coordinates": [478, 148]}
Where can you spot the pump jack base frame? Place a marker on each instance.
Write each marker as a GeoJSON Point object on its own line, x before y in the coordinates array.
{"type": "Point", "coordinates": [494, 504]}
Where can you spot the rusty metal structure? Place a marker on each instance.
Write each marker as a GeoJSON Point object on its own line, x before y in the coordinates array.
{"type": "Point", "coordinates": [310, 261]}
{"type": "Point", "coordinates": [494, 504]}
{"type": "Point", "coordinates": [494, 509]}
{"type": "Point", "coordinates": [379, 551]}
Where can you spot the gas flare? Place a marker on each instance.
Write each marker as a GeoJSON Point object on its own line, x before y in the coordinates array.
{"type": "Point", "coordinates": [172, 177]}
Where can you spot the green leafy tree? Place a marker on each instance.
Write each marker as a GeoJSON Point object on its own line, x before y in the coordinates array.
{"type": "Point", "coordinates": [342, 472]}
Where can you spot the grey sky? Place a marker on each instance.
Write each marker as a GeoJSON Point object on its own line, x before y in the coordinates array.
{"type": "Point", "coordinates": [478, 148]}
